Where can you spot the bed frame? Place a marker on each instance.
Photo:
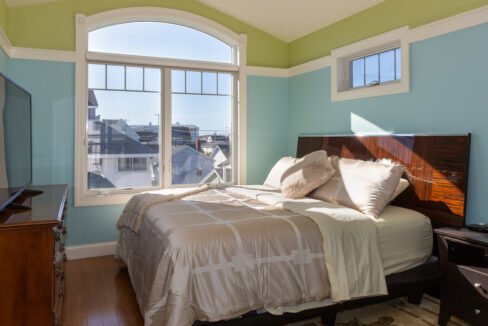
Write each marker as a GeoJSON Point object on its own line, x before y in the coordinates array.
{"type": "Point", "coordinates": [437, 169]}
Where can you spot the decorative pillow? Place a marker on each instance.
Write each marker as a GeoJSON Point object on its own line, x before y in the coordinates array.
{"type": "Point", "coordinates": [300, 163]}
{"type": "Point", "coordinates": [401, 187]}
{"type": "Point", "coordinates": [361, 185]}
{"type": "Point", "coordinates": [308, 173]}
{"type": "Point", "coordinates": [274, 177]}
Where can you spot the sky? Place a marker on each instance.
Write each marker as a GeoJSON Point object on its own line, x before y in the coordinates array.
{"type": "Point", "coordinates": [212, 113]}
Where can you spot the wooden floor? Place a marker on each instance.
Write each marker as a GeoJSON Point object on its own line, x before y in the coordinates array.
{"type": "Point", "coordinates": [98, 293]}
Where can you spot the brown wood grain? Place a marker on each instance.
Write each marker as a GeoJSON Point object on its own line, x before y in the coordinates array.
{"type": "Point", "coordinates": [28, 245]}
{"type": "Point", "coordinates": [437, 168]}
{"type": "Point", "coordinates": [99, 292]}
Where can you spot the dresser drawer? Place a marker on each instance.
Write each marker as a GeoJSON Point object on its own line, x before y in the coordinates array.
{"type": "Point", "coordinates": [470, 308]}
{"type": "Point", "coordinates": [470, 280]}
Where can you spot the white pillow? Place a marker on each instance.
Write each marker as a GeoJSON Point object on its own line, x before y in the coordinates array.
{"type": "Point", "coordinates": [274, 177]}
{"type": "Point", "coordinates": [308, 173]}
{"type": "Point", "coordinates": [361, 185]}
{"type": "Point", "coordinates": [401, 187]}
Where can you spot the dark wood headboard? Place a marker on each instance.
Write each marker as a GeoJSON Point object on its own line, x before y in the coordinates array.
{"type": "Point", "coordinates": [437, 168]}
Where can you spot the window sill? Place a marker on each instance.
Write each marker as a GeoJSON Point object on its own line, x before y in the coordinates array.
{"type": "Point", "coordinates": [372, 91]}
{"type": "Point", "coordinates": [100, 200]}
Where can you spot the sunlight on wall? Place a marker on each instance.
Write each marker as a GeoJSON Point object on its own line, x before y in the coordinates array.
{"type": "Point", "coordinates": [361, 126]}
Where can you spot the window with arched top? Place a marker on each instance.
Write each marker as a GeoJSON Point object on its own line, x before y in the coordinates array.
{"type": "Point", "coordinates": [161, 40]}
{"type": "Point", "coordinates": [157, 103]}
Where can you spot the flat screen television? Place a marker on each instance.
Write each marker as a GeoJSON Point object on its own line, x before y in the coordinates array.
{"type": "Point", "coordinates": [15, 141]}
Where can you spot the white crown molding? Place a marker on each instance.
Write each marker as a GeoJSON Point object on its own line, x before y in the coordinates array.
{"type": "Point", "coordinates": [91, 250]}
{"type": "Point", "coordinates": [310, 66]}
{"type": "Point", "coordinates": [42, 54]}
{"type": "Point", "coordinates": [5, 42]}
{"type": "Point", "coordinates": [267, 72]}
{"type": "Point", "coordinates": [444, 26]}
{"type": "Point", "coordinates": [450, 24]}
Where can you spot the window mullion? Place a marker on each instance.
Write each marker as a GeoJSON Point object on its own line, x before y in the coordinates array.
{"type": "Point", "coordinates": [165, 130]}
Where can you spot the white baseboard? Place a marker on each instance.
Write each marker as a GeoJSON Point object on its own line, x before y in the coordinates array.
{"type": "Point", "coordinates": [91, 250]}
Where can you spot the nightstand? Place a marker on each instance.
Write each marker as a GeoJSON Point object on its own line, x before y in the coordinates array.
{"type": "Point", "coordinates": [464, 266]}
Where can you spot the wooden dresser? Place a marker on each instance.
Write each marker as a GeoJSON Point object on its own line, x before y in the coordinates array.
{"type": "Point", "coordinates": [31, 259]}
{"type": "Point", "coordinates": [464, 264]}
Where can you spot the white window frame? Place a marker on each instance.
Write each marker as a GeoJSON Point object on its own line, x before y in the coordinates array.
{"type": "Point", "coordinates": [340, 68]}
{"type": "Point", "coordinates": [86, 24]}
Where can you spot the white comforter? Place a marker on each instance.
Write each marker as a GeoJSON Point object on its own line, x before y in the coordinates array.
{"type": "Point", "coordinates": [350, 243]}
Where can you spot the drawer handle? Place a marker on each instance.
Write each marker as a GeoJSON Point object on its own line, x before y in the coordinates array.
{"type": "Point", "coordinates": [477, 311]}
{"type": "Point", "coordinates": [480, 287]}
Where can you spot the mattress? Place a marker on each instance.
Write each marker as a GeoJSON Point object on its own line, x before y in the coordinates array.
{"type": "Point", "coordinates": [405, 236]}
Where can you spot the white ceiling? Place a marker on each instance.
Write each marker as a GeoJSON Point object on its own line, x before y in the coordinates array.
{"type": "Point", "coordinates": [290, 19]}
{"type": "Point", "coordinates": [285, 19]}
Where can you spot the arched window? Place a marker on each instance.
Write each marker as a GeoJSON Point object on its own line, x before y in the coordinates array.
{"type": "Point", "coordinates": [157, 103]}
{"type": "Point", "coordinates": [161, 40]}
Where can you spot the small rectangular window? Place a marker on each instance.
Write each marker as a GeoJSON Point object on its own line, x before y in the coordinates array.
{"type": "Point", "coordinates": [132, 164]}
{"type": "Point", "coordinates": [375, 69]}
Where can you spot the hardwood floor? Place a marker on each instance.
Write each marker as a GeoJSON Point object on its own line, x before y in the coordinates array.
{"type": "Point", "coordinates": [98, 293]}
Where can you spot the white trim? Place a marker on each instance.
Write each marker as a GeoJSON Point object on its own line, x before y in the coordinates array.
{"type": "Point", "coordinates": [267, 72]}
{"type": "Point", "coordinates": [5, 42]}
{"type": "Point", "coordinates": [84, 24]}
{"type": "Point", "coordinates": [444, 26]}
{"type": "Point", "coordinates": [340, 73]}
{"type": "Point", "coordinates": [242, 111]}
{"type": "Point", "coordinates": [42, 54]}
{"type": "Point", "coordinates": [450, 24]}
{"type": "Point", "coordinates": [310, 66]}
{"type": "Point", "coordinates": [437, 28]}
{"type": "Point", "coordinates": [91, 250]}
{"type": "Point", "coordinates": [173, 16]}
{"type": "Point", "coordinates": [154, 61]}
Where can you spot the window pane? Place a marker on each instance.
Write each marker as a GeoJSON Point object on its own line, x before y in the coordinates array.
{"type": "Point", "coordinates": [123, 136]}
{"type": "Point", "coordinates": [178, 81]}
{"type": "Point", "coordinates": [193, 82]}
{"type": "Point", "coordinates": [209, 83]}
{"type": "Point", "coordinates": [139, 164]}
{"type": "Point", "coordinates": [225, 84]}
{"type": "Point", "coordinates": [115, 77]}
{"type": "Point", "coordinates": [398, 62]}
{"type": "Point", "coordinates": [152, 80]}
{"type": "Point", "coordinates": [387, 66]}
{"type": "Point", "coordinates": [96, 76]}
{"type": "Point", "coordinates": [372, 71]}
{"type": "Point", "coordinates": [201, 137]}
{"type": "Point", "coordinates": [125, 164]}
{"type": "Point", "coordinates": [160, 40]}
{"type": "Point", "coordinates": [134, 78]}
{"type": "Point", "coordinates": [358, 73]}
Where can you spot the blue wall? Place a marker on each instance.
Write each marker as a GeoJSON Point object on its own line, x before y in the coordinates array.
{"type": "Point", "coordinates": [449, 94]}
{"type": "Point", "coordinates": [267, 125]}
{"type": "Point", "coordinates": [52, 85]}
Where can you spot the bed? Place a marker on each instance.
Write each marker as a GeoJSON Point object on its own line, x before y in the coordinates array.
{"type": "Point", "coordinates": [215, 281]}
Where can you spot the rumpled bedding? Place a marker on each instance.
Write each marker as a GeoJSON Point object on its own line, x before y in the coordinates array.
{"type": "Point", "coordinates": [220, 253]}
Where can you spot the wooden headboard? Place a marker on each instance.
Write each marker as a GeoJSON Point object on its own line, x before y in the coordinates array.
{"type": "Point", "coordinates": [437, 168]}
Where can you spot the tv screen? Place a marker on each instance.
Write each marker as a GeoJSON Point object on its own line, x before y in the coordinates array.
{"type": "Point", "coordinates": [15, 141]}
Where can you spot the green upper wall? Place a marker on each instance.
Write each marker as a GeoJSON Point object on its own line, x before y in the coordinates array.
{"type": "Point", "coordinates": [52, 26]}
{"type": "Point", "coordinates": [381, 18]}
{"type": "Point", "coordinates": [3, 16]}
